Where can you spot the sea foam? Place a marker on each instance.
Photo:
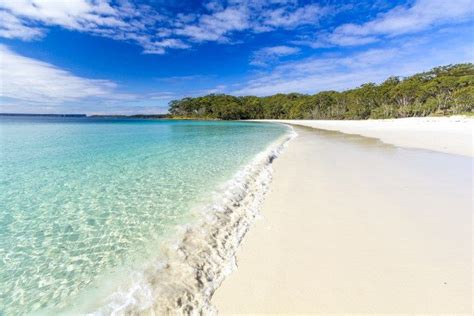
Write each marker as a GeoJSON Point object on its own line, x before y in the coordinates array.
{"type": "Point", "coordinates": [186, 275]}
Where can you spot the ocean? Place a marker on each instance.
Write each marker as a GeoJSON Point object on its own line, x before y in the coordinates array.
{"type": "Point", "coordinates": [104, 215]}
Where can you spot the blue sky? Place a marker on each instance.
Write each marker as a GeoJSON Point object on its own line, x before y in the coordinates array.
{"type": "Point", "coordinates": [124, 56]}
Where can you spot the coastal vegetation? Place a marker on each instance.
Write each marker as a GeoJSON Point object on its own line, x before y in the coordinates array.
{"type": "Point", "coordinates": [445, 90]}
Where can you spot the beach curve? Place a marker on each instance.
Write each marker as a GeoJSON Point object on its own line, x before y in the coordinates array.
{"type": "Point", "coordinates": [333, 241]}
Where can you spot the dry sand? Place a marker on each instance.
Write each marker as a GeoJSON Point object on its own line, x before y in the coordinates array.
{"type": "Point", "coordinates": [353, 225]}
{"type": "Point", "coordinates": [446, 134]}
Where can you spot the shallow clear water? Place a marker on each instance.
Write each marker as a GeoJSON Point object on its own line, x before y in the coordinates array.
{"type": "Point", "coordinates": [81, 197]}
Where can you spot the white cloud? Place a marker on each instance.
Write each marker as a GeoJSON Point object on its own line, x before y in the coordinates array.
{"type": "Point", "coordinates": [213, 27]}
{"type": "Point", "coordinates": [165, 95]}
{"type": "Point", "coordinates": [30, 80]}
{"type": "Point", "coordinates": [122, 21]}
{"type": "Point", "coordinates": [12, 27]}
{"type": "Point", "coordinates": [28, 85]}
{"type": "Point", "coordinates": [155, 31]}
{"type": "Point", "coordinates": [269, 55]}
{"type": "Point", "coordinates": [339, 72]}
{"type": "Point", "coordinates": [282, 17]}
{"type": "Point", "coordinates": [79, 15]}
{"type": "Point", "coordinates": [217, 89]}
{"type": "Point", "coordinates": [255, 16]}
{"type": "Point", "coordinates": [421, 15]}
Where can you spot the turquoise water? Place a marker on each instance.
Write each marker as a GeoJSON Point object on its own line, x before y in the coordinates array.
{"type": "Point", "coordinates": [81, 197]}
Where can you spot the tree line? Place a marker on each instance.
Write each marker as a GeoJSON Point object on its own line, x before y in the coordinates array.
{"type": "Point", "coordinates": [445, 90]}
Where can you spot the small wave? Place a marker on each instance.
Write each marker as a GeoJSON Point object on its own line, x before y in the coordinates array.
{"type": "Point", "coordinates": [194, 267]}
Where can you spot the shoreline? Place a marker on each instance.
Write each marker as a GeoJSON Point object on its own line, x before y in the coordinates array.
{"type": "Point", "coordinates": [333, 241]}
{"type": "Point", "coordinates": [196, 263]}
{"type": "Point", "coordinates": [452, 135]}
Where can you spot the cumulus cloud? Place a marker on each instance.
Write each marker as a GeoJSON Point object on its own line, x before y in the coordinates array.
{"type": "Point", "coordinates": [268, 55]}
{"type": "Point", "coordinates": [30, 80]}
{"type": "Point", "coordinates": [421, 15]}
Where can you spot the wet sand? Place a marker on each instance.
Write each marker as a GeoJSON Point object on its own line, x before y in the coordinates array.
{"type": "Point", "coordinates": [353, 225]}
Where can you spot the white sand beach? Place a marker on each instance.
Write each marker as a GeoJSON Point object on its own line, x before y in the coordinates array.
{"type": "Point", "coordinates": [355, 225]}
{"type": "Point", "coordinates": [446, 134]}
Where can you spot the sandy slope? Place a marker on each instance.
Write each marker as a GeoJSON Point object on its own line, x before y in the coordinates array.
{"type": "Point", "coordinates": [446, 134]}
{"type": "Point", "coordinates": [352, 225]}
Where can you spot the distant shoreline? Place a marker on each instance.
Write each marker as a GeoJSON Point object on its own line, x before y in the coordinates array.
{"type": "Point", "coordinates": [144, 116]}
{"type": "Point", "coordinates": [451, 135]}
{"type": "Point", "coordinates": [186, 118]}
{"type": "Point", "coordinates": [44, 115]}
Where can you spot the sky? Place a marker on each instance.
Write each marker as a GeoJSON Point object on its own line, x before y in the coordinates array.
{"type": "Point", "coordinates": [128, 57]}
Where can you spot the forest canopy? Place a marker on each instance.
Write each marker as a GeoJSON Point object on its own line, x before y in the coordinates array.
{"type": "Point", "coordinates": [445, 90]}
